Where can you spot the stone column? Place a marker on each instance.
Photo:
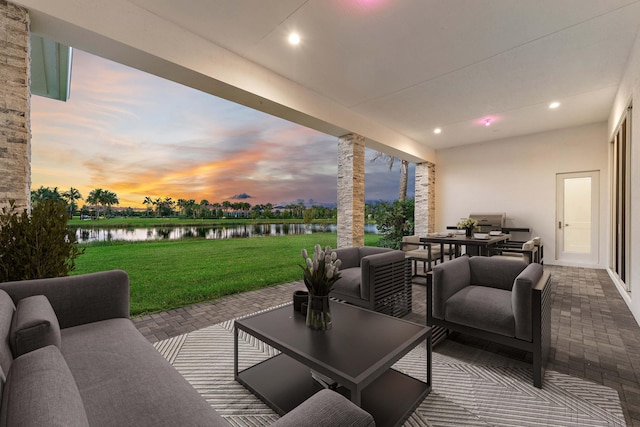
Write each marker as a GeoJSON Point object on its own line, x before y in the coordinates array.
{"type": "Point", "coordinates": [15, 132]}
{"type": "Point", "coordinates": [350, 190]}
{"type": "Point", "coordinates": [425, 202]}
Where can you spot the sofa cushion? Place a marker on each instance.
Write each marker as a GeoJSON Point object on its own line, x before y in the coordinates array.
{"type": "Point", "coordinates": [34, 325]}
{"type": "Point", "coordinates": [482, 307]}
{"type": "Point", "coordinates": [494, 272]}
{"type": "Point", "coordinates": [7, 309]}
{"type": "Point", "coordinates": [41, 391]}
{"type": "Point", "coordinates": [124, 381]}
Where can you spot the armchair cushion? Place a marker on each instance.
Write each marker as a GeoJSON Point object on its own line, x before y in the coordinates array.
{"type": "Point", "coordinates": [34, 325]}
{"type": "Point", "coordinates": [350, 257]}
{"type": "Point", "coordinates": [449, 278]}
{"type": "Point", "coordinates": [350, 282]}
{"type": "Point", "coordinates": [494, 272]}
{"type": "Point", "coordinates": [483, 308]}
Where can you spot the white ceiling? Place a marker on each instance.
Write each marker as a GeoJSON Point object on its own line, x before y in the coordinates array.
{"type": "Point", "coordinates": [414, 65]}
{"type": "Point", "coordinates": [391, 70]}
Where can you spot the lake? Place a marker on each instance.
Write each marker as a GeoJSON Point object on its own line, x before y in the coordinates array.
{"type": "Point", "coordinates": [90, 234]}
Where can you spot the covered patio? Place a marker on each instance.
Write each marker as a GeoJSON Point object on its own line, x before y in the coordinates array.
{"type": "Point", "coordinates": [594, 335]}
{"type": "Point", "coordinates": [495, 95]}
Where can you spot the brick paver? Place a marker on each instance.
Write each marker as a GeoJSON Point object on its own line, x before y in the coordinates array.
{"type": "Point", "coordinates": [594, 335]}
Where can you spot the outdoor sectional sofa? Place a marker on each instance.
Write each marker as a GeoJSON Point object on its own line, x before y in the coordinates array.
{"type": "Point", "coordinates": [70, 356]}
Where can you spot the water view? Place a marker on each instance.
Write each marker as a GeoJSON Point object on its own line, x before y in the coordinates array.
{"type": "Point", "coordinates": [86, 235]}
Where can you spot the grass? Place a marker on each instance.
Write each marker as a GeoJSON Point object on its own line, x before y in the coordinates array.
{"type": "Point", "coordinates": [169, 274]}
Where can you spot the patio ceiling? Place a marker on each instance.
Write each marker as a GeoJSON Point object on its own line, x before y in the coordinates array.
{"type": "Point", "coordinates": [389, 70]}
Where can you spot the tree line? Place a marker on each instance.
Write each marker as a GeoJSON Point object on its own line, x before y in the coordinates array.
{"type": "Point", "coordinates": [101, 202]}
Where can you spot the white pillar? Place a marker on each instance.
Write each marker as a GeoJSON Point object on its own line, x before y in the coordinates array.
{"type": "Point", "coordinates": [425, 201]}
{"type": "Point", "coordinates": [350, 190]}
{"type": "Point", "coordinates": [15, 132]}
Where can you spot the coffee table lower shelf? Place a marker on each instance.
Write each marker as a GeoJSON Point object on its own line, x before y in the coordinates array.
{"type": "Point", "coordinates": [283, 383]}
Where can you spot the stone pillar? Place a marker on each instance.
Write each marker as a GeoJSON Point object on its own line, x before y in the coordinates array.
{"type": "Point", "coordinates": [15, 131]}
{"type": "Point", "coordinates": [425, 202]}
{"type": "Point", "coordinates": [350, 191]}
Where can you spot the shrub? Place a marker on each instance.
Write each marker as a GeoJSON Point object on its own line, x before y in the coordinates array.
{"type": "Point", "coordinates": [36, 246]}
{"type": "Point", "coordinates": [394, 221]}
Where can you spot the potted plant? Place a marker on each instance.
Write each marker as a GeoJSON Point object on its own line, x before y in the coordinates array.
{"type": "Point", "coordinates": [321, 271]}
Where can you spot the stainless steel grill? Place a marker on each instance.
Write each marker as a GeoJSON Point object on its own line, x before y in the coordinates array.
{"type": "Point", "coordinates": [489, 221]}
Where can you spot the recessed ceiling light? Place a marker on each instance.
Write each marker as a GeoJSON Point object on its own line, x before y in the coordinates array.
{"type": "Point", "coordinates": [294, 39]}
{"type": "Point", "coordinates": [554, 104]}
{"type": "Point", "coordinates": [437, 130]}
{"type": "Point", "coordinates": [487, 122]}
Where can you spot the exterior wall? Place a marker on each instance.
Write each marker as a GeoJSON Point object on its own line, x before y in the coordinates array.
{"type": "Point", "coordinates": [350, 191]}
{"type": "Point", "coordinates": [518, 176]}
{"type": "Point", "coordinates": [15, 133]}
{"type": "Point", "coordinates": [425, 200]}
{"type": "Point", "coordinates": [629, 91]}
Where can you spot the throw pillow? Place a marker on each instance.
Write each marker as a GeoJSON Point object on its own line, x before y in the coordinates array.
{"type": "Point", "coordinates": [34, 325]}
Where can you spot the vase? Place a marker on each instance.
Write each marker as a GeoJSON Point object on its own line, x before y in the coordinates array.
{"type": "Point", "coordinates": [318, 312]}
{"type": "Point", "coordinates": [469, 232]}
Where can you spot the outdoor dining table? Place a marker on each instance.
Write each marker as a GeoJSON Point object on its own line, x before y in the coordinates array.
{"type": "Point", "coordinates": [473, 246]}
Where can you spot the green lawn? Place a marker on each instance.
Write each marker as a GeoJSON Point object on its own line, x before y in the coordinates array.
{"type": "Point", "coordinates": [166, 275]}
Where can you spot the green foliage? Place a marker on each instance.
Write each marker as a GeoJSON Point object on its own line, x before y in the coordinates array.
{"type": "Point", "coordinates": [37, 246]}
{"type": "Point", "coordinates": [395, 221]}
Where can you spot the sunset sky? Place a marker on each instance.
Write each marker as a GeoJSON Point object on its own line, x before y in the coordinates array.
{"type": "Point", "coordinates": [139, 135]}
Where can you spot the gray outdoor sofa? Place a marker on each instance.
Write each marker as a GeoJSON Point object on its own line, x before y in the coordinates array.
{"type": "Point", "coordinates": [70, 356]}
{"type": "Point", "coordinates": [378, 279]}
{"type": "Point", "coordinates": [494, 299]}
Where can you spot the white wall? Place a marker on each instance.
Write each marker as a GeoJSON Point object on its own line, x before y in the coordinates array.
{"type": "Point", "coordinates": [630, 90]}
{"type": "Point", "coordinates": [518, 176]}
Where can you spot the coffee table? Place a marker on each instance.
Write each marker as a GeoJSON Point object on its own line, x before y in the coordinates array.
{"type": "Point", "coordinates": [357, 353]}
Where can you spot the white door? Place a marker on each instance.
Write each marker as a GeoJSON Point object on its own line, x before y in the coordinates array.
{"type": "Point", "coordinates": [577, 217]}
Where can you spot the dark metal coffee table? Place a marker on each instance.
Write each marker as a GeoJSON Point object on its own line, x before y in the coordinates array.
{"type": "Point", "coordinates": [357, 353]}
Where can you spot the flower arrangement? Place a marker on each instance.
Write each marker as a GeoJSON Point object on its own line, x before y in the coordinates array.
{"type": "Point", "coordinates": [320, 271]}
{"type": "Point", "coordinates": [467, 224]}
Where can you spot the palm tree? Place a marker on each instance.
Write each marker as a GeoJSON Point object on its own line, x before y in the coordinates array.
{"type": "Point", "coordinates": [95, 199]}
{"type": "Point", "coordinates": [45, 193]}
{"type": "Point", "coordinates": [109, 198]}
{"type": "Point", "coordinates": [148, 203]}
{"type": "Point", "coordinates": [71, 196]}
{"type": "Point", "coordinates": [404, 172]}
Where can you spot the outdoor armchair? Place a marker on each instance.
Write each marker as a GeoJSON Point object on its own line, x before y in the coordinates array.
{"type": "Point", "coordinates": [494, 299]}
{"type": "Point", "coordinates": [378, 279]}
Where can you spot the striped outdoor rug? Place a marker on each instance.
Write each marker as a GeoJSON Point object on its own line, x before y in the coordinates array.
{"type": "Point", "coordinates": [491, 391]}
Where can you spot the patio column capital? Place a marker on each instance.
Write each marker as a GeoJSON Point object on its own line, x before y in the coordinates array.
{"type": "Point", "coordinates": [350, 190]}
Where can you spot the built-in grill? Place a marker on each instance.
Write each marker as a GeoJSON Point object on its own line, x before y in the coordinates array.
{"type": "Point", "coordinates": [489, 221]}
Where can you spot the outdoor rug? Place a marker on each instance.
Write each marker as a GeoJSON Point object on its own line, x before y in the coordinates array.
{"type": "Point", "coordinates": [471, 387]}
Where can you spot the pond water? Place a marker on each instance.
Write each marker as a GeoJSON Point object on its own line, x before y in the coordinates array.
{"type": "Point", "coordinates": [90, 234]}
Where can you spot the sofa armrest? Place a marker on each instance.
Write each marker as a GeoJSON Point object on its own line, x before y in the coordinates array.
{"type": "Point", "coordinates": [81, 299]}
{"type": "Point", "coordinates": [368, 265]}
{"type": "Point", "coordinates": [448, 278]}
{"type": "Point", "coordinates": [522, 299]}
{"type": "Point", "coordinates": [326, 409]}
